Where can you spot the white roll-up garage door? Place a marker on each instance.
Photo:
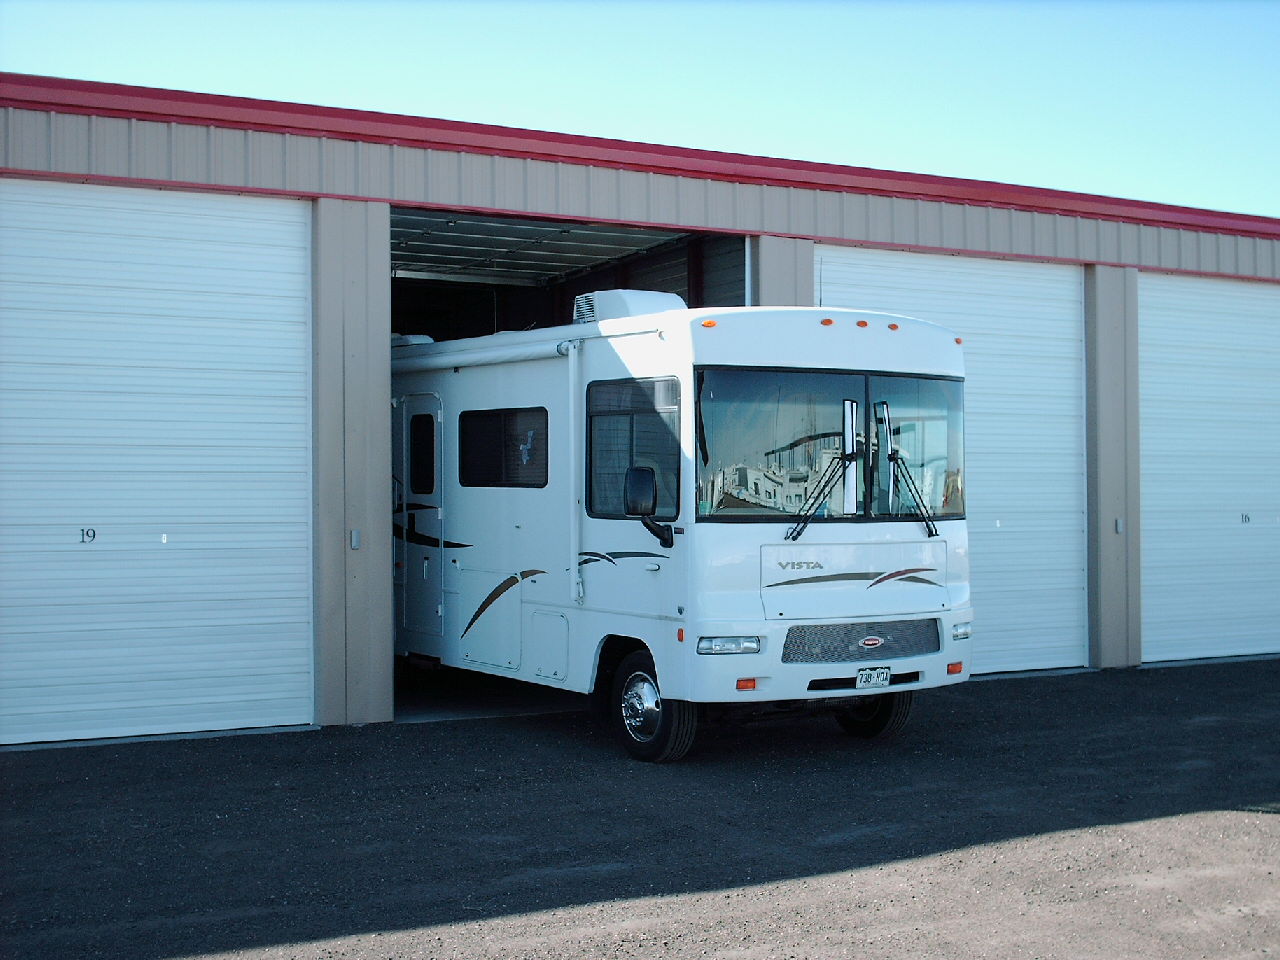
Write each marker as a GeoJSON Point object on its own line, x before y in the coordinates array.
{"type": "Point", "coordinates": [1023, 330]}
{"type": "Point", "coordinates": [155, 462]}
{"type": "Point", "coordinates": [1210, 375]}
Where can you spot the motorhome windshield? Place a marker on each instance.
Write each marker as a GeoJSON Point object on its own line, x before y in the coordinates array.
{"type": "Point", "coordinates": [768, 437]}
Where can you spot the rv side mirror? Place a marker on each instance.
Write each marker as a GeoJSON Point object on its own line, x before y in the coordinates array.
{"type": "Point", "coordinates": [640, 499]}
{"type": "Point", "coordinates": [640, 492]}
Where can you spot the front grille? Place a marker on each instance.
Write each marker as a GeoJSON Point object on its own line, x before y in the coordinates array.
{"type": "Point", "coordinates": [841, 642]}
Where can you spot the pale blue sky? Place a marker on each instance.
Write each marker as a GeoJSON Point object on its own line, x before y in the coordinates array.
{"type": "Point", "coordinates": [1176, 102]}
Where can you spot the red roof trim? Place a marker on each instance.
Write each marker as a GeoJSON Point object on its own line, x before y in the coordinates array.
{"type": "Point", "coordinates": [145, 103]}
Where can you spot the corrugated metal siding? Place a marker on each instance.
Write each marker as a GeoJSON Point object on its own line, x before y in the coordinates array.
{"type": "Point", "coordinates": [154, 387]}
{"type": "Point", "coordinates": [666, 270]}
{"type": "Point", "coordinates": [1210, 409]}
{"type": "Point", "coordinates": [114, 147]}
{"type": "Point", "coordinates": [1023, 330]}
{"type": "Point", "coordinates": [724, 272]}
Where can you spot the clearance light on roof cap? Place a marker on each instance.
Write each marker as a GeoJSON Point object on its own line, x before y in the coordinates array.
{"type": "Point", "coordinates": [959, 340]}
{"type": "Point", "coordinates": [827, 322]}
{"type": "Point", "coordinates": [862, 323]}
{"type": "Point", "coordinates": [893, 326]}
{"type": "Point", "coordinates": [708, 323]}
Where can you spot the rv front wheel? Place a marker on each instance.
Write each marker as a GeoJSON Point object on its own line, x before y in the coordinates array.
{"type": "Point", "coordinates": [881, 715]}
{"type": "Point", "coordinates": [650, 728]}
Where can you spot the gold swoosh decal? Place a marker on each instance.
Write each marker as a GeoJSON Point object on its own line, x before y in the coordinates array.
{"type": "Point", "coordinates": [876, 578]}
{"type": "Point", "coordinates": [900, 573]}
{"type": "Point", "coordinates": [497, 592]}
{"type": "Point", "coordinates": [825, 578]}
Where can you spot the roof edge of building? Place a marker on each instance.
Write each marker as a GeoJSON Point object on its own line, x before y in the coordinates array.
{"type": "Point", "coordinates": [29, 92]}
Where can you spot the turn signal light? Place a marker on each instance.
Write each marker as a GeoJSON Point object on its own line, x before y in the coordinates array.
{"type": "Point", "coordinates": [955, 668]}
{"type": "Point", "coordinates": [747, 683]}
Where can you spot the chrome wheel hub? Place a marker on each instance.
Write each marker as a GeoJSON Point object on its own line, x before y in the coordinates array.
{"type": "Point", "coordinates": [641, 706]}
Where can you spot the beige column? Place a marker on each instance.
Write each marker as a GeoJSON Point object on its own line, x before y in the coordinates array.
{"type": "Point", "coordinates": [781, 272]}
{"type": "Point", "coordinates": [351, 391]}
{"type": "Point", "coordinates": [1114, 463]}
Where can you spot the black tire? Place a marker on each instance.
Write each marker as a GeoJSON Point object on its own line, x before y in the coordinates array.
{"type": "Point", "coordinates": [882, 715]}
{"type": "Point", "coordinates": [650, 727]}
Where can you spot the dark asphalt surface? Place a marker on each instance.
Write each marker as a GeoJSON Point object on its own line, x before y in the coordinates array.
{"type": "Point", "coordinates": [407, 839]}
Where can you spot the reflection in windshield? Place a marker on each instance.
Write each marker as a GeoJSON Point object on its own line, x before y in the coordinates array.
{"type": "Point", "coordinates": [766, 437]}
{"type": "Point", "coordinates": [769, 436]}
{"type": "Point", "coordinates": [929, 441]}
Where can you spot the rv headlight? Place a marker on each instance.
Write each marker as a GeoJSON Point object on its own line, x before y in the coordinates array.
{"type": "Point", "coordinates": [962, 631]}
{"type": "Point", "coordinates": [728, 644]}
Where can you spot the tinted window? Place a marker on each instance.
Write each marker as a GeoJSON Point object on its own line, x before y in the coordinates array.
{"type": "Point", "coordinates": [503, 448]}
{"type": "Point", "coordinates": [422, 453]}
{"type": "Point", "coordinates": [633, 423]}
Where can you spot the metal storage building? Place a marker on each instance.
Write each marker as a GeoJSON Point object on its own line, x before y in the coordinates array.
{"type": "Point", "coordinates": [197, 295]}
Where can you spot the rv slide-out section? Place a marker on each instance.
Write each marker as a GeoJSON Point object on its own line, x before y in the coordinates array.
{"type": "Point", "coordinates": [688, 512]}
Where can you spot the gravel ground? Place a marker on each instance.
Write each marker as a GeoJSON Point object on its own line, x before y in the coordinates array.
{"type": "Point", "coordinates": [1116, 814]}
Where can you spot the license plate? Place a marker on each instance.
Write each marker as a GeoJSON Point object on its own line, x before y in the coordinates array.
{"type": "Point", "coordinates": [869, 677]}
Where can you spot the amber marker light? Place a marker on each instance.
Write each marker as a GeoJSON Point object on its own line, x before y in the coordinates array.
{"type": "Point", "coordinates": [680, 635]}
{"type": "Point", "coordinates": [893, 326]}
{"type": "Point", "coordinates": [828, 322]}
{"type": "Point", "coordinates": [955, 668]}
{"type": "Point", "coordinates": [863, 323]}
{"type": "Point", "coordinates": [708, 323]}
{"type": "Point", "coordinates": [959, 340]}
{"type": "Point", "coordinates": [747, 683]}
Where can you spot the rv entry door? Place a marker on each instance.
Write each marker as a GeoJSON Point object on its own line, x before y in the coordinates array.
{"type": "Point", "coordinates": [422, 577]}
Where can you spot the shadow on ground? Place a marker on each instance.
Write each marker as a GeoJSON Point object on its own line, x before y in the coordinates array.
{"type": "Point", "coordinates": [167, 849]}
{"type": "Point", "coordinates": [427, 694]}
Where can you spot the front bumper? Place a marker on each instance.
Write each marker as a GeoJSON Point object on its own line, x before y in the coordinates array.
{"type": "Point", "coordinates": [715, 678]}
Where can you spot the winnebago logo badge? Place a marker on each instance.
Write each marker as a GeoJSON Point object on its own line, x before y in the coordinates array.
{"type": "Point", "coordinates": [799, 565]}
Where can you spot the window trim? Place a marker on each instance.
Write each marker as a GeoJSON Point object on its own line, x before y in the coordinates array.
{"type": "Point", "coordinates": [587, 460]}
{"type": "Point", "coordinates": [546, 431]}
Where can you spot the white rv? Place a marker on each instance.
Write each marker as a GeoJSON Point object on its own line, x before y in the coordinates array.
{"type": "Point", "coordinates": [688, 512]}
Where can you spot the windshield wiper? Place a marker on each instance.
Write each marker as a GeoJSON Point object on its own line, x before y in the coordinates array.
{"type": "Point", "coordinates": [826, 483]}
{"type": "Point", "coordinates": [837, 468]}
{"type": "Point", "coordinates": [901, 472]}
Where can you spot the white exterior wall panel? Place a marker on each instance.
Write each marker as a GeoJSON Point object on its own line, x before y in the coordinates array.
{"type": "Point", "coordinates": [1210, 414]}
{"type": "Point", "coordinates": [155, 388]}
{"type": "Point", "coordinates": [1023, 331]}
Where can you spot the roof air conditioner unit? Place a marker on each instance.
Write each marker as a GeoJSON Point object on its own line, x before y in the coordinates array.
{"type": "Point", "coordinates": [610, 304]}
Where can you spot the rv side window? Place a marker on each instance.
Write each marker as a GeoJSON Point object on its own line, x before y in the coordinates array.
{"type": "Point", "coordinates": [632, 423]}
{"type": "Point", "coordinates": [503, 448]}
{"type": "Point", "coordinates": [422, 453]}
